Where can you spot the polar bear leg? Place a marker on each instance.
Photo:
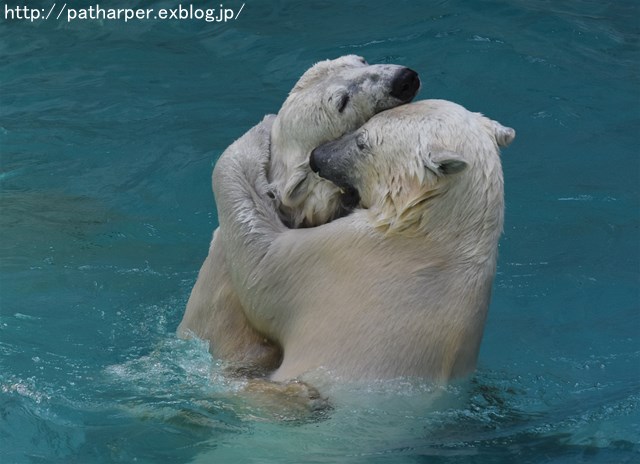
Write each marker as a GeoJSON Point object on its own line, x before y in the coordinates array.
{"type": "Point", "coordinates": [214, 313]}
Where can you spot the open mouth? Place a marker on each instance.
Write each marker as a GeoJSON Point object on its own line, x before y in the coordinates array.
{"type": "Point", "coordinates": [349, 197]}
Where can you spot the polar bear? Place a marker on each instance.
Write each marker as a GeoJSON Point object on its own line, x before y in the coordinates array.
{"type": "Point", "coordinates": [401, 286]}
{"type": "Point", "coordinates": [333, 97]}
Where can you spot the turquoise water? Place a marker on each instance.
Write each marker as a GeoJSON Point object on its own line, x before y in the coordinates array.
{"type": "Point", "coordinates": [108, 134]}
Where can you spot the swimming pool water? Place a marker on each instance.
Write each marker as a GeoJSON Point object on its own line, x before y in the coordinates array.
{"type": "Point", "coordinates": [108, 134]}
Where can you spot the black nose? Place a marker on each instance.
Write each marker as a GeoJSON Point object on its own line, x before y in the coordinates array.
{"type": "Point", "coordinates": [312, 162]}
{"type": "Point", "coordinates": [405, 85]}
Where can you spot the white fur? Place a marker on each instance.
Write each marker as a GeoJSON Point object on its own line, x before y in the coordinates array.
{"type": "Point", "coordinates": [398, 288]}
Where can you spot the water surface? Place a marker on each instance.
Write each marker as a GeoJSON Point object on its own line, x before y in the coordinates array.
{"type": "Point", "coordinates": [108, 134]}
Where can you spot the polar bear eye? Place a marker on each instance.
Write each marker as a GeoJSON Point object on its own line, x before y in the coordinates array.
{"type": "Point", "coordinates": [361, 141]}
{"type": "Point", "coordinates": [342, 103]}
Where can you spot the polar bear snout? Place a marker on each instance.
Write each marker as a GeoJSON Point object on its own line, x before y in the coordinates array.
{"type": "Point", "coordinates": [330, 162]}
{"type": "Point", "coordinates": [327, 166]}
{"type": "Point", "coordinates": [405, 85]}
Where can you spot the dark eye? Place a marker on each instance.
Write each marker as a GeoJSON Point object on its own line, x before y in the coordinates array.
{"type": "Point", "coordinates": [342, 103]}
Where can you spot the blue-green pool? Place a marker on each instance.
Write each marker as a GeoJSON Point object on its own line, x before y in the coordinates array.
{"type": "Point", "coordinates": [108, 133]}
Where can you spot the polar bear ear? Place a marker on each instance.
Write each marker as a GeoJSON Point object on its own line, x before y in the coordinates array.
{"type": "Point", "coordinates": [295, 190]}
{"type": "Point", "coordinates": [504, 135]}
{"type": "Point", "coordinates": [444, 162]}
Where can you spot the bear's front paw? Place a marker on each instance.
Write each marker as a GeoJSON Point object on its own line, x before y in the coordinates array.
{"type": "Point", "coordinates": [288, 401]}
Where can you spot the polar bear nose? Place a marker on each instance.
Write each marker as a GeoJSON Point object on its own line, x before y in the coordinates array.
{"type": "Point", "coordinates": [323, 162]}
{"type": "Point", "coordinates": [405, 85]}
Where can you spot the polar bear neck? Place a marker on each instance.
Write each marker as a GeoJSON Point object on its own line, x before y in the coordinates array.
{"type": "Point", "coordinates": [305, 198]}
{"type": "Point", "coordinates": [465, 214]}
{"type": "Point", "coordinates": [289, 160]}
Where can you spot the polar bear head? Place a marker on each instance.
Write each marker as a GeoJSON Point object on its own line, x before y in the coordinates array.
{"type": "Point", "coordinates": [427, 168]}
{"type": "Point", "coordinates": [332, 98]}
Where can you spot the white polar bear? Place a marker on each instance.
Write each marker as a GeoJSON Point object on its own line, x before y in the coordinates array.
{"type": "Point", "coordinates": [331, 98]}
{"type": "Point", "coordinates": [401, 286]}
